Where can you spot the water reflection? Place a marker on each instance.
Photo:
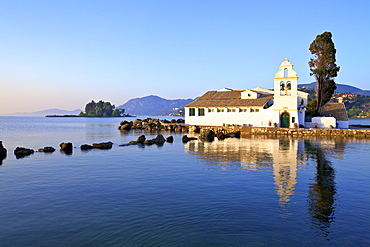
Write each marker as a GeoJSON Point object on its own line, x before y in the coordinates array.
{"type": "Point", "coordinates": [322, 191]}
{"type": "Point", "coordinates": [284, 157]}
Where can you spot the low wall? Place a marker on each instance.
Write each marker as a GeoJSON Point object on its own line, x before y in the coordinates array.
{"type": "Point", "coordinates": [357, 133]}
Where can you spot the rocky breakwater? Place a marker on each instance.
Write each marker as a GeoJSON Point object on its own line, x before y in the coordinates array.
{"type": "Point", "coordinates": [209, 133]}
{"type": "Point", "coordinates": [176, 125]}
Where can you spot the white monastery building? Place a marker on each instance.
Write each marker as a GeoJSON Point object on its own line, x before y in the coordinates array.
{"type": "Point", "coordinates": [284, 106]}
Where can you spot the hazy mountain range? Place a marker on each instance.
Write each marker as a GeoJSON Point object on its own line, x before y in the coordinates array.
{"type": "Point", "coordinates": [341, 88]}
{"type": "Point", "coordinates": [156, 106]}
{"type": "Point", "coordinates": [47, 112]}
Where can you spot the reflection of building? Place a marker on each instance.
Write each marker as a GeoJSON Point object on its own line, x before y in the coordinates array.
{"type": "Point", "coordinates": [281, 155]}
{"type": "Point", "coordinates": [286, 159]}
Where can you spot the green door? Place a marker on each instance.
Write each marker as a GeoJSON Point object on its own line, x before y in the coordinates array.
{"type": "Point", "coordinates": [284, 120]}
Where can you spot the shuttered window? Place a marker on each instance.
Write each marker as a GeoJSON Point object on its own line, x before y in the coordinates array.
{"type": "Point", "coordinates": [201, 112]}
{"type": "Point", "coordinates": [191, 111]}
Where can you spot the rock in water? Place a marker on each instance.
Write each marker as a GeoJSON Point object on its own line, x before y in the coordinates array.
{"type": "Point", "coordinates": [185, 139]}
{"type": "Point", "coordinates": [141, 139]}
{"type": "Point", "coordinates": [169, 139]}
{"type": "Point", "coordinates": [86, 147]}
{"type": "Point", "coordinates": [66, 147]}
{"type": "Point", "coordinates": [159, 139]}
{"type": "Point", "coordinates": [221, 136]}
{"type": "Point", "coordinates": [103, 145]}
{"type": "Point", "coordinates": [208, 135]}
{"type": "Point", "coordinates": [3, 152]}
{"type": "Point", "coordinates": [46, 149]}
{"type": "Point", "coordinates": [20, 152]}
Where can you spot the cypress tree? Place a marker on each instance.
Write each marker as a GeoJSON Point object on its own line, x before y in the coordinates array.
{"type": "Point", "coordinates": [323, 67]}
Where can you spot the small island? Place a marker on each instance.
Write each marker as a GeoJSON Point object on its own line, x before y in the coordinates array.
{"type": "Point", "coordinates": [98, 109]}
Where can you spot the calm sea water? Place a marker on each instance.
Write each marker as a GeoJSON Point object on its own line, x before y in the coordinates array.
{"type": "Point", "coordinates": [255, 191]}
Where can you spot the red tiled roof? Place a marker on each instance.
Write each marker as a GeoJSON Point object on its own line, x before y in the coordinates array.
{"type": "Point", "coordinates": [228, 99]}
{"type": "Point", "coordinates": [337, 110]}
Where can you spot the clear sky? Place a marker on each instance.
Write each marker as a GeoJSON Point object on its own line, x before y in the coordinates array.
{"type": "Point", "coordinates": [64, 53]}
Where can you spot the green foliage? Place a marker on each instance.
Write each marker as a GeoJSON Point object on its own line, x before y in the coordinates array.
{"type": "Point", "coordinates": [323, 67]}
{"type": "Point", "coordinates": [101, 109]}
{"type": "Point", "coordinates": [353, 112]}
{"type": "Point", "coordinates": [356, 105]}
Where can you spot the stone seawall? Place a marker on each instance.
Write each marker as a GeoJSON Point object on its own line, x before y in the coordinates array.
{"type": "Point", "coordinates": [357, 133]}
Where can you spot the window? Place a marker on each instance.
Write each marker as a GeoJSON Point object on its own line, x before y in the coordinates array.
{"type": "Point", "coordinates": [243, 109]}
{"type": "Point", "coordinates": [230, 109]}
{"type": "Point", "coordinates": [255, 110]}
{"type": "Point", "coordinates": [201, 112]}
{"type": "Point", "coordinates": [191, 111]}
{"type": "Point", "coordinates": [220, 109]}
{"type": "Point", "coordinates": [211, 109]}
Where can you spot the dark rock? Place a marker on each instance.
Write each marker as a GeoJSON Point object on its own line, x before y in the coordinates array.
{"type": "Point", "coordinates": [46, 149]}
{"type": "Point", "coordinates": [221, 136]}
{"type": "Point", "coordinates": [148, 142]}
{"type": "Point", "coordinates": [159, 139]}
{"type": "Point", "coordinates": [124, 145]}
{"type": "Point", "coordinates": [169, 139]}
{"type": "Point", "coordinates": [86, 147]}
{"type": "Point", "coordinates": [195, 129]}
{"type": "Point", "coordinates": [123, 122]}
{"type": "Point", "coordinates": [103, 145]}
{"type": "Point", "coordinates": [185, 139]}
{"type": "Point", "coordinates": [125, 127]}
{"type": "Point", "coordinates": [208, 135]}
{"type": "Point", "coordinates": [233, 135]}
{"type": "Point", "coordinates": [20, 152]}
{"type": "Point", "coordinates": [141, 139]}
{"type": "Point", "coordinates": [3, 152]}
{"type": "Point", "coordinates": [66, 147]}
{"type": "Point", "coordinates": [133, 143]}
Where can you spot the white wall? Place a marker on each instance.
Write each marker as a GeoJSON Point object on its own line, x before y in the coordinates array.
{"type": "Point", "coordinates": [215, 118]}
{"type": "Point", "coordinates": [324, 122]}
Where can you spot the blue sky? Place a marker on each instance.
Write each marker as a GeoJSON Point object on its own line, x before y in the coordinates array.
{"type": "Point", "coordinates": [63, 54]}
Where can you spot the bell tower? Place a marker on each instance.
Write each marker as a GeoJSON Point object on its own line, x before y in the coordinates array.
{"type": "Point", "coordinates": [286, 95]}
{"type": "Point", "coordinates": [286, 80]}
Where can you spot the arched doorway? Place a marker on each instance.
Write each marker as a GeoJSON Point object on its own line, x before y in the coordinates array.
{"type": "Point", "coordinates": [284, 120]}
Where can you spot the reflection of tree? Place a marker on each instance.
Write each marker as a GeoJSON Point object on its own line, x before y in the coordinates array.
{"type": "Point", "coordinates": [322, 191]}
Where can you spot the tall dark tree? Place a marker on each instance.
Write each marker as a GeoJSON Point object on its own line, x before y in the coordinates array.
{"type": "Point", "coordinates": [323, 67]}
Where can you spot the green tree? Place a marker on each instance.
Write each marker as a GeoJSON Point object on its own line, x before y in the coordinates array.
{"type": "Point", "coordinates": [90, 108]}
{"type": "Point", "coordinates": [118, 112]}
{"type": "Point", "coordinates": [323, 67]}
{"type": "Point", "coordinates": [101, 109]}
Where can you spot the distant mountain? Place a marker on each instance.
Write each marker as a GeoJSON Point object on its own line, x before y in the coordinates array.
{"type": "Point", "coordinates": [341, 88]}
{"type": "Point", "coordinates": [153, 105]}
{"type": "Point", "coordinates": [46, 112]}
